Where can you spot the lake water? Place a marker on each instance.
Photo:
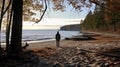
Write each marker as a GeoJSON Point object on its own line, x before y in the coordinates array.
{"type": "Point", "coordinates": [41, 35]}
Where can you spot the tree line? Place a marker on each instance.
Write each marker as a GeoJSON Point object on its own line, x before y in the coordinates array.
{"type": "Point", "coordinates": [105, 18]}
{"type": "Point", "coordinates": [72, 27]}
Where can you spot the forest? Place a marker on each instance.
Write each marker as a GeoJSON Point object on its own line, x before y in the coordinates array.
{"type": "Point", "coordinates": [105, 18]}
{"type": "Point", "coordinates": [73, 27]}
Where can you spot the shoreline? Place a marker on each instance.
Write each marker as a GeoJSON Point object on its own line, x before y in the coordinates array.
{"type": "Point", "coordinates": [41, 35]}
{"type": "Point", "coordinates": [101, 38]}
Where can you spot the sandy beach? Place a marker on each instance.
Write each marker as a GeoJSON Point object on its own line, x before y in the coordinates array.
{"type": "Point", "coordinates": [52, 44]}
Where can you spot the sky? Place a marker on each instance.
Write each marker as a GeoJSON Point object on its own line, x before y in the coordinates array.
{"type": "Point", "coordinates": [56, 19]}
{"type": "Point", "coordinates": [50, 23]}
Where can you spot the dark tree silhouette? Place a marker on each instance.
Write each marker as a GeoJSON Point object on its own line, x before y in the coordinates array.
{"type": "Point", "coordinates": [16, 36]}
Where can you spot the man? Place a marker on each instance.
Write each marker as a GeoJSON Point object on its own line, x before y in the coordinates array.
{"type": "Point", "coordinates": [57, 37]}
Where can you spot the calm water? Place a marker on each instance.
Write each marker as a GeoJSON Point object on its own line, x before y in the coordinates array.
{"type": "Point", "coordinates": [42, 35]}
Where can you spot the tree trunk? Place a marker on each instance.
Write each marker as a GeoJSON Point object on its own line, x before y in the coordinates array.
{"type": "Point", "coordinates": [114, 26]}
{"type": "Point", "coordinates": [1, 18]}
{"type": "Point", "coordinates": [9, 18]}
{"type": "Point", "coordinates": [16, 35]}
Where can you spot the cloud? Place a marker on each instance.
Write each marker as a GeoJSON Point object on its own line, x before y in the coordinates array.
{"type": "Point", "coordinates": [50, 23]}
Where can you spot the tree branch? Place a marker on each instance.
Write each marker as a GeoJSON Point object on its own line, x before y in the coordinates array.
{"type": "Point", "coordinates": [94, 2]}
{"type": "Point", "coordinates": [43, 13]}
{"type": "Point", "coordinates": [101, 5]}
{"type": "Point", "coordinates": [7, 7]}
